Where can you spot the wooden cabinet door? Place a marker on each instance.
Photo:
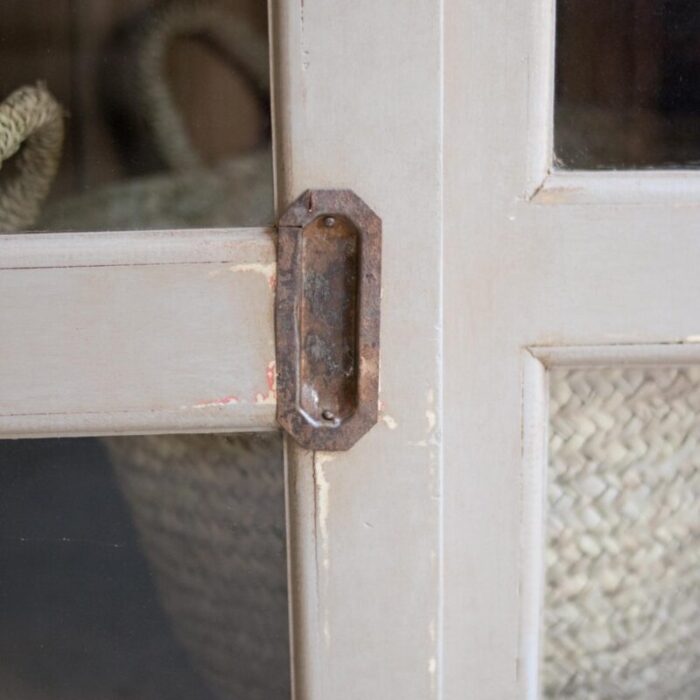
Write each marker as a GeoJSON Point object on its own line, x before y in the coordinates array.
{"type": "Point", "coordinates": [172, 331]}
{"type": "Point", "coordinates": [551, 272]}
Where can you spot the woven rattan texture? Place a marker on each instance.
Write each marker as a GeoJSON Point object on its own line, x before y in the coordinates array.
{"type": "Point", "coordinates": [210, 513]}
{"type": "Point", "coordinates": [622, 599]}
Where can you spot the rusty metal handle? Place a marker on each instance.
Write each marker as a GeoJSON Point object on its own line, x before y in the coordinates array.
{"type": "Point", "coordinates": [327, 319]}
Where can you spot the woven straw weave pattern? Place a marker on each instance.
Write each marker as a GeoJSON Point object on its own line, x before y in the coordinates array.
{"type": "Point", "coordinates": [622, 601]}
{"type": "Point", "coordinates": [210, 513]}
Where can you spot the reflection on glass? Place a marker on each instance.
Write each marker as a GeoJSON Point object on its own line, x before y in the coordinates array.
{"type": "Point", "coordinates": [627, 84]}
{"type": "Point", "coordinates": [143, 568]}
{"type": "Point", "coordinates": [128, 114]}
{"type": "Point", "coordinates": [622, 598]}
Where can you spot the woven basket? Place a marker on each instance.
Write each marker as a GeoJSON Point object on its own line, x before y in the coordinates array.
{"type": "Point", "coordinates": [235, 192]}
{"type": "Point", "coordinates": [622, 604]}
{"type": "Point", "coordinates": [209, 509]}
{"type": "Point", "coordinates": [210, 513]}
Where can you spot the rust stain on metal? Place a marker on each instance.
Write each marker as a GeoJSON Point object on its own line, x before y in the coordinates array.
{"type": "Point", "coordinates": [327, 319]}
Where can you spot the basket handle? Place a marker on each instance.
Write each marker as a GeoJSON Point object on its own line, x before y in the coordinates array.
{"type": "Point", "coordinates": [227, 32]}
{"type": "Point", "coordinates": [31, 126]}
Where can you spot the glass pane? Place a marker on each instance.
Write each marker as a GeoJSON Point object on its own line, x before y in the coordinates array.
{"type": "Point", "coordinates": [131, 114]}
{"type": "Point", "coordinates": [143, 568]}
{"type": "Point", "coordinates": [622, 600]}
{"type": "Point", "coordinates": [627, 84]}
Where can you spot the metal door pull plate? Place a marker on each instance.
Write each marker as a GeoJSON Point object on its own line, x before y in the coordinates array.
{"type": "Point", "coordinates": [327, 319]}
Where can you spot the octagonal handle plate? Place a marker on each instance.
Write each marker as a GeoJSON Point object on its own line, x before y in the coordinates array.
{"type": "Point", "coordinates": [327, 319]}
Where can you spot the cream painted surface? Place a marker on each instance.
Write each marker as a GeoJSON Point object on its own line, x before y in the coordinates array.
{"type": "Point", "coordinates": [136, 332]}
{"type": "Point", "coordinates": [358, 105]}
{"type": "Point", "coordinates": [590, 260]}
{"type": "Point", "coordinates": [414, 557]}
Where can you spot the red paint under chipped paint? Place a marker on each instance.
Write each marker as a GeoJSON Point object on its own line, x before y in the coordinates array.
{"type": "Point", "coordinates": [225, 401]}
{"type": "Point", "coordinates": [272, 376]}
{"type": "Point", "coordinates": [271, 397]}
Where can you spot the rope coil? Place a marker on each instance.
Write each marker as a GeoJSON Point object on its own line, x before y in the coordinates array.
{"type": "Point", "coordinates": [31, 128]}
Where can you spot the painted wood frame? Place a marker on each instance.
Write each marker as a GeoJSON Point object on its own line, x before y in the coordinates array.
{"type": "Point", "coordinates": [358, 105]}
{"type": "Point", "coordinates": [172, 331]}
{"type": "Point", "coordinates": [541, 268]}
{"type": "Point", "coordinates": [414, 557]}
{"type": "Point", "coordinates": [137, 332]}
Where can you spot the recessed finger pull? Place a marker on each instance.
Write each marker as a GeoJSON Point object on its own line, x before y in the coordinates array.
{"type": "Point", "coordinates": [327, 319]}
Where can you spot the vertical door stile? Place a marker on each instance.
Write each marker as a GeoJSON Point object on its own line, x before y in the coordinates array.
{"type": "Point", "coordinates": [357, 105]}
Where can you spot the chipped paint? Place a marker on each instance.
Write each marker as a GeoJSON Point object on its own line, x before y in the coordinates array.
{"type": "Point", "coordinates": [225, 401]}
{"type": "Point", "coordinates": [271, 374]}
{"type": "Point", "coordinates": [323, 489]}
{"type": "Point", "coordinates": [432, 660]}
{"type": "Point", "coordinates": [554, 195]}
{"type": "Point", "coordinates": [390, 422]}
{"type": "Point", "coordinates": [268, 270]}
{"type": "Point", "coordinates": [322, 499]}
{"type": "Point", "coordinates": [430, 413]}
{"type": "Point", "coordinates": [271, 378]}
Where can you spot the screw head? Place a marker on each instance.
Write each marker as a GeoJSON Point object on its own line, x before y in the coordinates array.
{"type": "Point", "coordinates": [328, 415]}
{"type": "Point", "coordinates": [329, 222]}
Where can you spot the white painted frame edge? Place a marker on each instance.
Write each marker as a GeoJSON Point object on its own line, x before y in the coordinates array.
{"type": "Point", "coordinates": [536, 363]}
{"type": "Point", "coordinates": [545, 184]}
{"type": "Point", "coordinates": [111, 248]}
{"type": "Point", "coordinates": [246, 255]}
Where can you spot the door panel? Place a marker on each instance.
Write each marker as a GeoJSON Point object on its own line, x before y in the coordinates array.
{"type": "Point", "coordinates": [357, 104]}
{"type": "Point", "coordinates": [359, 90]}
{"type": "Point", "coordinates": [597, 264]}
